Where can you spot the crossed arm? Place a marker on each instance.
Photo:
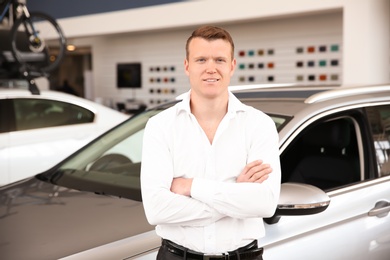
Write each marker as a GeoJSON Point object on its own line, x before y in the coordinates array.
{"type": "Point", "coordinates": [256, 172]}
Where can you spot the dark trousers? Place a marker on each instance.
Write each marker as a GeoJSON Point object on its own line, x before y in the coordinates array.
{"type": "Point", "coordinates": [172, 251]}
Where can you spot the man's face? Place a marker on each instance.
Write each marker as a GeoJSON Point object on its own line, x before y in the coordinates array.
{"type": "Point", "coordinates": [209, 66]}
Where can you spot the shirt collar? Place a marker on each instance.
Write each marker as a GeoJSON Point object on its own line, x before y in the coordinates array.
{"type": "Point", "coordinates": [234, 106]}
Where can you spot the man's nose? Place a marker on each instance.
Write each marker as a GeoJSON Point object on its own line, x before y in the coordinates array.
{"type": "Point", "coordinates": [211, 68]}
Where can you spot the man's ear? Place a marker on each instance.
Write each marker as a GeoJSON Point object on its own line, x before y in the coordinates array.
{"type": "Point", "coordinates": [186, 64]}
{"type": "Point", "coordinates": [233, 68]}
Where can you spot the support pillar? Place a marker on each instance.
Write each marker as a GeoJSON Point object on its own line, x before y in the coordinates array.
{"type": "Point", "coordinates": [366, 42]}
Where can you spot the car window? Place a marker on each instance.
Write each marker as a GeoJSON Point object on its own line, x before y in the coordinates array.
{"type": "Point", "coordinates": [280, 121]}
{"type": "Point", "coordinates": [379, 117]}
{"type": "Point", "coordinates": [111, 164]}
{"type": "Point", "coordinates": [325, 154]}
{"type": "Point", "coordinates": [6, 116]}
{"type": "Point", "coordinates": [40, 113]}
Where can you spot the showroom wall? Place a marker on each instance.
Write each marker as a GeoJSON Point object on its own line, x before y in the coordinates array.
{"type": "Point", "coordinates": [303, 50]}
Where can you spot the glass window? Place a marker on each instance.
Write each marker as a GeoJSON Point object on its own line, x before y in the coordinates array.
{"type": "Point", "coordinates": [6, 116]}
{"type": "Point", "coordinates": [325, 154]}
{"type": "Point", "coordinates": [40, 113]}
{"type": "Point", "coordinates": [111, 164]}
{"type": "Point", "coordinates": [379, 118]}
{"type": "Point", "coordinates": [280, 121]}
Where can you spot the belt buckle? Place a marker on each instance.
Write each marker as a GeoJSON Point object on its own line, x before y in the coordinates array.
{"type": "Point", "coordinates": [215, 256]}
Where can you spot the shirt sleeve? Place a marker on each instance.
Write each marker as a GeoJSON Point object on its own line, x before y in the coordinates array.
{"type": "Point", "coordinates": [246, 200]}
{"type": "Point", "coordinates": [161, 205]}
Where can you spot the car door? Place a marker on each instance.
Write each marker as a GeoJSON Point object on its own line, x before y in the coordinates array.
{"type": "Point", "coordinates": [356, 224]}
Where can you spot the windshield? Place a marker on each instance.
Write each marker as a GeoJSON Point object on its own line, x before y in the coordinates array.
{"type": "Point", "coordinates": [111, 164]}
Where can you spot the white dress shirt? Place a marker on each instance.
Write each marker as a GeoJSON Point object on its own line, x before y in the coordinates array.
{"type": "Point", "coordinates": [221, 215]}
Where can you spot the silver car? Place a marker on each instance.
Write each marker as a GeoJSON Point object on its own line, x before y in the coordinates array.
{"type": "Point", "coordinates": [334, 203]}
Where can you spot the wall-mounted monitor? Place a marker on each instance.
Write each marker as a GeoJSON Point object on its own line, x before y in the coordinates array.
{"type": "Point", "coordinates": [128, 75]}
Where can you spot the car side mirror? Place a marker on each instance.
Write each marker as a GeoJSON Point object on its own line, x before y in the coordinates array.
{"type": "Point", "coordinates": [297, 199]}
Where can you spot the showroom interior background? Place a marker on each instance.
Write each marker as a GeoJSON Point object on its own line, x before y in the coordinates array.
{"type": "Point", "coordinates": [305, 48]}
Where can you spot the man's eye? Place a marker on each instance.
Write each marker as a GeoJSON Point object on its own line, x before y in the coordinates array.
{"type": "Point", "coordinates": [201, 60]}
{"type": "Point", "coordinates": [220, 60]}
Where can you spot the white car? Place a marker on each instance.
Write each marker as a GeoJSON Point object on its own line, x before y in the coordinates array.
{"type": "Point", "coordinates": [37, 131]}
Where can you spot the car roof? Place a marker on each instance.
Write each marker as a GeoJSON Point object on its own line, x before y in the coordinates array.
{"type": "Point", "coordinates": [290, 100]}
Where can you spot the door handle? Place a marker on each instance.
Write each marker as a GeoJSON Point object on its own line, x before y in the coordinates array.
{"type": "Point", "coordinates": [380, 210]}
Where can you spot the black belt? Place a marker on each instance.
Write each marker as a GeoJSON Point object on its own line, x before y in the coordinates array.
{"type": "Point", "coordinates": [246, 252]}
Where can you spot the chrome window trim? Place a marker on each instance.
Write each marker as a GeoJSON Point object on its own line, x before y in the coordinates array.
{"type": "Point", "coordinates": [358, 186]}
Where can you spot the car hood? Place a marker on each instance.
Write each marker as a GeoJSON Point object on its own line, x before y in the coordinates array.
{"type": "Point", "coordinates": [39, 220]}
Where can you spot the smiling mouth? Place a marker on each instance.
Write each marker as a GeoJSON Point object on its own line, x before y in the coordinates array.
{"type": "Point", "coordinates": [211, 80]}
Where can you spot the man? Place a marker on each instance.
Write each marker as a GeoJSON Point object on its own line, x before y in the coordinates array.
{"type": "Point", "coordinates": [204, 183]}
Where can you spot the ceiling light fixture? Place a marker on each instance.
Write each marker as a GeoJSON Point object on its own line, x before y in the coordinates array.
{"type": "Point", "coordinates": [71, 47]}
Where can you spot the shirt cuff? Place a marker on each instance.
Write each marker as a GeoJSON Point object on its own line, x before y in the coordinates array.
{"type": "Point", "coordinates": [203, 190]}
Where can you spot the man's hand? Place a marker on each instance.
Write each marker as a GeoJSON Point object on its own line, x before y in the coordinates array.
{"type": "Point", "coordinates": [256, 171]}
{"type": "Point", "coordinates": [181, 186]}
